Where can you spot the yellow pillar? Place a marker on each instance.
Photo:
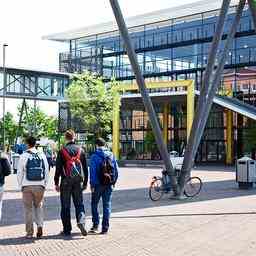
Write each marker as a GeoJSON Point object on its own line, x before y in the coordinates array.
{"type": "Point", "coordinates": [190, 107]}
{"type": "Point", "coordinates": [229, 137]}
{"type": "Point", "coordinates": [165, 122]}
{"type": "Point", "coordinates": [116, 125]}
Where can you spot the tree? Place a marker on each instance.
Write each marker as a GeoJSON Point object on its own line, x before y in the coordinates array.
{"type": "Point", "coordinates": [10, 126]}
{"type": "Point", "coordinates": [249, 135]}
{"type": "Point", "coordinates": [150, 143]}
{"type": "Point", "coordinates": [39, 123]}
{"type": "Point", "coordinates": [92, 102]}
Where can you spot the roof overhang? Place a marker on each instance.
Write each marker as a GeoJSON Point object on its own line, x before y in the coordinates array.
{"type": "Point", "coordinates": [148, 18]}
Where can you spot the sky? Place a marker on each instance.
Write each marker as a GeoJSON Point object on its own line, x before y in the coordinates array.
{"type": "Point", "coordinates": [24, 22]}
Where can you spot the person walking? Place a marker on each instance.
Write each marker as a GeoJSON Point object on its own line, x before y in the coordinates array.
{"type": "Point", "coordinates": [32, 176]}
{"type": "Point", "coordinates": [71, 166]}
{"type": "Point", "coordinates": [103, 177]}
{"type": "Point", "coordinates": [49, 155]}
{"type": "Point", "coordinates": [5, 170]}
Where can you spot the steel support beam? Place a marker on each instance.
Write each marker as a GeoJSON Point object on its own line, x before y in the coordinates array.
{"type": "Point", "coordinates": [4, 93]}
{"type": "Point", "coordinates": [210, 93]}
{"type": "Point", "coordinates": [191, 148]}
{"type": "Point", "coordinates": [144, 93]}
{"type": "Point", "coordinates": [23, 108]}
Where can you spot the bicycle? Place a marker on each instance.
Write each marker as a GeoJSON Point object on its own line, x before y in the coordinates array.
{"type": "Point", "coordinates": [162, 185]}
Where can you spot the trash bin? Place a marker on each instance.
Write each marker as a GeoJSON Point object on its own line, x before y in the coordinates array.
{"type": "Point", "coordinates": [174, 154]}
{"type": "Point", "coordinates": [245, 172]}
{"type": "Point", "coordinates": [15, 161]}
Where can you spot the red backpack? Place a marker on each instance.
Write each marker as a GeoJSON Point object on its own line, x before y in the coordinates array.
{"type": "Point", "coordinates": [73, 166]}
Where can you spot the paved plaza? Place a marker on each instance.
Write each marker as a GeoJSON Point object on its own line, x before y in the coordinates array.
{"type": "Point", "coordinates": [220, 221]}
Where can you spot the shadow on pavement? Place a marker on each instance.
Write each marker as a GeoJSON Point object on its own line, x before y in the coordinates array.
{"type": "Point", "coordinates": [212, 168]}
{"type": "Point", "coordinates": [184, 215]}
{"type": "Point", "coordinates": [24, 241]}
{"type": "Point", "coordinates": [16, 241]}
{"type": "Point", "coordinates": [125, 200]}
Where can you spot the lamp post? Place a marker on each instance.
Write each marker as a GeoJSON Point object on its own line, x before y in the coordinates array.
{"type": "Point", "coordinates": [4, 92]}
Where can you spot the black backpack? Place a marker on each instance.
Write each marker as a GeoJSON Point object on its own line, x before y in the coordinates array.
{"type": "Point", "coordinates": [5, 167]}
{"type": "Point", "coordinates": [107, 171]}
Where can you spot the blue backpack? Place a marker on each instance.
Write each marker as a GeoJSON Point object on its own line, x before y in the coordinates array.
{"type": "Point", "coordinates": [35, 169]}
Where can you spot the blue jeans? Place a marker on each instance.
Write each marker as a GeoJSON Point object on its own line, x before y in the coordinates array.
{"type": "Point", "coordinates": [104, 192]}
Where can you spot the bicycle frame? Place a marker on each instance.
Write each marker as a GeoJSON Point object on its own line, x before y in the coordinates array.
{"type": "Point", "coordinates": [165, 180]}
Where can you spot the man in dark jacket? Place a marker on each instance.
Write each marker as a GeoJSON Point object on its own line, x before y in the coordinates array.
{"type": "Point", "coordinates": [72, 168]}
{"type": "Point", "coordinates": [98, 189]}
{"type": "Point", "coordinates": [5, 170]}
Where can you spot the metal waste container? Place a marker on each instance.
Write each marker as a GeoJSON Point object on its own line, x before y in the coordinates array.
{"type": "Point", "coordinates": [245, 172]}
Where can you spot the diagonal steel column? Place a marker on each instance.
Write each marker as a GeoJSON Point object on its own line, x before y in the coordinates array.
{"type": "Point", "coordinates": [213, 88]}
{"type": "Point", "coordinates": [200, 111]}
{"type": "Point", "coordinates": [252, 5]}
{"type": "Point", "coordinates": [144, 93]}
{"type": "Point", "coordinates": [23, 106]}
{"type": "Point", "coordinates": [218, 74]}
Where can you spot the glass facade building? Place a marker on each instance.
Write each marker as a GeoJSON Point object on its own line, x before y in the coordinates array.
{"type": "Point", "coordinates": [172, 45]}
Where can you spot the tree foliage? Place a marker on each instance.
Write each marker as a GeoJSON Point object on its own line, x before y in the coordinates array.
{"type": "Point", "coordinates": [149, 140]}
{"type": "Point", "coordinates": [10, 126]}
{"type": "Point", "coordinates": [249, 135]}
{"type": "Point", "coordinates": [38, 123]}
{"type": "Point", "coordinates": [92, 102]}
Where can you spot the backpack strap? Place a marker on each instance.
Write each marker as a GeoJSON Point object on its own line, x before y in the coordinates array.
{"type": "Point", "coordinates": [70, 158]}
{"type": "Point", "coordinates": [37, 156]}
{"type": "Point", "coordinates": [30, 152]}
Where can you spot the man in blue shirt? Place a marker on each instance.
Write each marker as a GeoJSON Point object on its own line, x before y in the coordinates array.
{"type": "Point", "coordinates": [103, 176]}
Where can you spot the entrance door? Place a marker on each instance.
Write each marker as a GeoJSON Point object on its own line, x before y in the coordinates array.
{"type": "Point", "coordinates": [211, 151]}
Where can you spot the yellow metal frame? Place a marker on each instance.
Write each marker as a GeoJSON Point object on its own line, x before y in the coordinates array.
{"type": "Point", "coordinates": [165, 122]}
{"type": "Point", "coordinates": [189, 84]}
{"type": "Point", "coordinates": [229, 147]}
{"type": "Point", "coordinates": [229, 133]}
{"type": "Point", "coordinates": [116, 125]}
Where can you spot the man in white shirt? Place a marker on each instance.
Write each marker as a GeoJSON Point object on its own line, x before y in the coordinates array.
{"type": "Point", "coordinates": [32, 176]}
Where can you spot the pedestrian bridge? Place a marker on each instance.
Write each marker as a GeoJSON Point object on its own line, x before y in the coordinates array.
{"type": "Point", "coordinates": [33, 84]}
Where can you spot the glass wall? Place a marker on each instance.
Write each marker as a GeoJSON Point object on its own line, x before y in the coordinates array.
{"type": "Point", "coordinates": [137, 139]}
{"type": "Point", "coordinates": [163, 48]}
{"type": "Point", "coordinates": [24, 83]}
{"type": "Point", "coordinates": [173, 49]}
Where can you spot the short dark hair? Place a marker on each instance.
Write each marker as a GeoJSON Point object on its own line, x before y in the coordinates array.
{"type": "Point", "coordinates": [30, 141]}
{"type": "Point", "coordinates": [70, 134]}
{"type": "Point", "coordinates": [100, 142]}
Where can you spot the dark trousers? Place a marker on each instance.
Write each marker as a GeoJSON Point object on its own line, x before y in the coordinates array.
{"type": "Point", "coordinates": [70, 187]}
{"type": "Point", "coordinates": [104, 192]}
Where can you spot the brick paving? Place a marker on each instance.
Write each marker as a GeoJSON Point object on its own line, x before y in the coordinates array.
{"type": "Point", "coordinates": [220, 221]}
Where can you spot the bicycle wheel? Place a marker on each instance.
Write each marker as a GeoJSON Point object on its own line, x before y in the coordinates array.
{"type": "Point", "coordinates": [156, 189]}
{"type": "Point", "coordinates": [193, 186]}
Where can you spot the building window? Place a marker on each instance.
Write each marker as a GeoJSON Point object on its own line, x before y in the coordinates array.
{"type": "Point", "coordinates": [245, 87]}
